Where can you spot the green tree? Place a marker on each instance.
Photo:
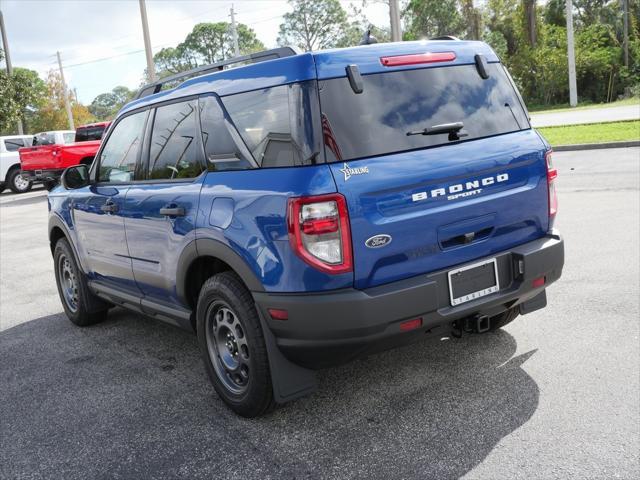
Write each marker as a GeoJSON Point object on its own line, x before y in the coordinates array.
{"type": "Point", "coordinates": [433, 18]}
{"type": "Point", "coordinates": [207, 43]}
{"type": "Point", "coordinates": [52, 115]}
{"type": "Point", "coordinates": [315, 24]}
{"type": "Point", "coordinates": [21, 94]}
{"type": "Point", "coordinates": [555, 13]}
{"type": "Point", "coordinates": [106, 105]}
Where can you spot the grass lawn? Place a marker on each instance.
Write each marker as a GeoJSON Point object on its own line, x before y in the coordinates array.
{"type": "Point", "coordinates": [592, 133]}
{"type": "Point", "coordinates": [565, 106]}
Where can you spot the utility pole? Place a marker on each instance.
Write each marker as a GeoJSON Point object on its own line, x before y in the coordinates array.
{"type": "Point", "coordinates": [625, 23]}
{"type": "Point", "coordinates": [394, 17]}
{"type": "Point", "coordinates": [571, 54]}
{"type": "Point", "coordinates": [234, 33]}
{"type": "Point", "coordinates": [65, 95]}
{"type": "Point", "coordinates": [151, 69]}
{"type": "Point", "coordinates": [7, 58]}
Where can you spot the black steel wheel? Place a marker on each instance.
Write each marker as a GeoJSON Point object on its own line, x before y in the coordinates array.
{"type": "Point", "coordinates": [80, 304]}
{"type": "Point", "coordinates": [228, 347]}
{"type": "Point", "coordinates": [232, 345]}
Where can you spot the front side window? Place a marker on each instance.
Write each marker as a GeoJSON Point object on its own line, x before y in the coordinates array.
{"type": "Point", "coordinates": [278, 124]}
{"type": "Point", "coordinates": [119, 155]}
{"type": "Point", "coordinates": [223, 147]}
{"type": "Point", "coordinates": [174, 152]}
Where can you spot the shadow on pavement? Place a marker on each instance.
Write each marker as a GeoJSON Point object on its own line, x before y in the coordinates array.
{"type": "Point", "coordinates": [129, 398]}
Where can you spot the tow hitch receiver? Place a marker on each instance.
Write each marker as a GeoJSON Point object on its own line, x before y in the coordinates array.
{"type": "Point", "coordinates": [481, 323]}
{"type": "Point", "coordinates": [476, 324]}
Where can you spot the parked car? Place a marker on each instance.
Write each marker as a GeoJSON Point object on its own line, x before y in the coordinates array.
{"type": "Point", "coordinates": [10, 175]}
{"type": "Point", "coordinates": [304, 210]}
{"type": "Point", "coordinates": [54, 151]}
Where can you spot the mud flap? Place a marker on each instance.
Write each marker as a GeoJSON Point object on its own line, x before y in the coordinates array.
{"type": "Point", "coordinates": [536, 303]}
{"type": "Point", "coordinates": [290, 381]}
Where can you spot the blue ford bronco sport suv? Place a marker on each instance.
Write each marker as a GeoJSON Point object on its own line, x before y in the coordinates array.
{"type": "Point", "coordinates": [302, 210]}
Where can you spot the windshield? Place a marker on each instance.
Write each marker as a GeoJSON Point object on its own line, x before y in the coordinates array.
{"type": "Point", "coordinates": [393, 104]}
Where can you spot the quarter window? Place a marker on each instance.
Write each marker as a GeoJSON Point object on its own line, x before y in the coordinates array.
{"type": "Point", "coordinates": [174, 148]}
{"type": "Point", "coordinates": [119, 155]}
{"type": "Point", "coordinates": [279, 124]}
{"type": "Point", "coordinates": [223, 146]}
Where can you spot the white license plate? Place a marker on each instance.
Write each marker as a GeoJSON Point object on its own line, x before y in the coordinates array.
{"type": "Point", "coordinates": [473, 281]}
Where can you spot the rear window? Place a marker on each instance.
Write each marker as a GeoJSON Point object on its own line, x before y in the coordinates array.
{"type": "Point", "coordinates": [392, 104]}
{"type": "Point", "coordinates": [278, 124]}
{"type": "Point", "coordinates": [44, 139]}
{"type": "Point", "coordinates": [89, 133]}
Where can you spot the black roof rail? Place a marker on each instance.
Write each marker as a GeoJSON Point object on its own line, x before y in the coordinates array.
{"type": "Point", "coordinates": [257, 57]}
{"type": "Point", "coordinates": [445, 37]}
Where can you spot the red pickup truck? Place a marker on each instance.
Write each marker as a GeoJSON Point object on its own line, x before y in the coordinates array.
{"type": "Point", "coordinates": [51, 154]}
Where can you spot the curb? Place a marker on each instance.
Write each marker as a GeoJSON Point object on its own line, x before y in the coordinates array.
{"type": "Point", "coordinates": [595, 146]}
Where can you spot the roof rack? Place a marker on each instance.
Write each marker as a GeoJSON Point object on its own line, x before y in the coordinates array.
{"type": "Point", "coordinates": [257, 57]}
{"type": "Point", "coordinates": [445, 37]}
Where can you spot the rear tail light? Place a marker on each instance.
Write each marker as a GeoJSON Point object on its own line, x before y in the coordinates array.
{"type": "Point", "coordinates": [552, 174]}
{"type": "Point", "coordinates": [319, 232]}
{"type": "Point", "coordinates": [417, 58]}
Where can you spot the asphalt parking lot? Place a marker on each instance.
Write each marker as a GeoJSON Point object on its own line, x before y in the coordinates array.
{"type": "Point", "coordinates": [554, 395]}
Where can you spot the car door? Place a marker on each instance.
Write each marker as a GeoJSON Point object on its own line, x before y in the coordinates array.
{"type": "Point", "coordinates": [160, 212]}
{"type": "Point", "coordinates": [98, 209]}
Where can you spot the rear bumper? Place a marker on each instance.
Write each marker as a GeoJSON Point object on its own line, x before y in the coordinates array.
{"type": "Point", "coordinates": [331, 328]}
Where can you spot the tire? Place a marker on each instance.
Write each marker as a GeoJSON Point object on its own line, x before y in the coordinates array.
{"type": "Point", "coordinates": [2, 186]}
{"type": "Point", "coordinates": [503, 319]}
{"type": "Point", "coordinates": [17, 183]}
{"type": "Point", "coordinates": [82, 307]}
{"type": "Point", "coordinates": [50, 184]}
{"type": "Point", "coordinates": [232, 345]}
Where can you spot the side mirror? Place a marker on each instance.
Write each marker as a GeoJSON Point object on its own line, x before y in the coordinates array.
{"type": "Point", "coordinates": [75, 177]}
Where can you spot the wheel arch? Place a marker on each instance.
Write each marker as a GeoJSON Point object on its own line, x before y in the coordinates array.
{"type": "Point", "coordinates": [203, 258]}
{"type": "Point", "coordinates": [15, 166]}
{"type": "Point", "coordinates": [57, 230]}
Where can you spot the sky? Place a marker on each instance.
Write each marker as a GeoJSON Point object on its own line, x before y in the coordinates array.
{"type": "Point", "coordinates": [100, 41]}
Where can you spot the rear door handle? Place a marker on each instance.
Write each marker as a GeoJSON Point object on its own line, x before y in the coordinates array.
{"type": "Point", "coordinates": [171, 211]}
{"type": "Point", "coordinates": [109, 207]}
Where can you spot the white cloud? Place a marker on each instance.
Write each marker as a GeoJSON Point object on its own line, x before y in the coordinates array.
{"type": "Point", "coordinates": [88, 30]}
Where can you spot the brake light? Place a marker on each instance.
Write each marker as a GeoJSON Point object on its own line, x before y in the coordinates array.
{"type": "Point", "coordinates": [416, 58]}
{"type": "Point", "coordinates": [552, 174]}
{"type": "Point", "coordinates": [319, 232]}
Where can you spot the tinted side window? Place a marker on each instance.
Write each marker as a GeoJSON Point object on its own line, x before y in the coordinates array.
{"type": "Point", "coordinates": [119, 155]}
{"type": "Point", "coordinates": [174, 148]}
{"type": "Point", "coordinates": [278, 124]}
{"type": "Point", "coordinates": [13, 144]}
{"type": "Point", "coordinates": [223, 146]}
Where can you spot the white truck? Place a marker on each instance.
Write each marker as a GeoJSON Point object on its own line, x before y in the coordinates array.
{"type": "Point", "coordinates": [10, 163]}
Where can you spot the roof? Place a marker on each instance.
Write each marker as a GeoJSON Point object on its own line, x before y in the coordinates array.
{"type": "Point", "coordinates": [323, 64]}
{"type": "Point", "coordinates": [96, 124]}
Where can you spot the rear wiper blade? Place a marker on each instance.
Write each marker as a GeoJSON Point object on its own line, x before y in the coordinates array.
{"type": "Point", "coordinates": [453, 129]}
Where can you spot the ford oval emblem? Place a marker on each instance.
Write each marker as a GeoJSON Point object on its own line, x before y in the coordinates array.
{"type": "Point", "coordinates": [378, 241]}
